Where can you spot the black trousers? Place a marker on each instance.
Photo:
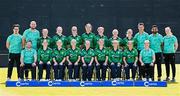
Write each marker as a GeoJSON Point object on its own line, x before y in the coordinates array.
{"type": "Point", "coordinates": [13, 58]}
{"type": "Point", "coordinates": [158, 62]}
{"type": "Point", "coordinates": [147, 71]}
{"type": "Point", "coordinates": [26, 67]}
{"type": "Point", "coordinates": [44, 66]}
{"type": "Point", "coordinates": [133, 71]}
{"type": "Point", "coordinates": [101, 69]}
{"type": "Point", "coordinates": [170, 59]}
{"type": "Point", "coordinates": [73, 71]}
{"type": "Point", "coordinates": [87, 72]}
{"type": "Point", "coordinates": [139, 66]}
{"type": "Point", "coordinates": [59, 71]}
{"type": "Point", "coordinates": [115, 71]}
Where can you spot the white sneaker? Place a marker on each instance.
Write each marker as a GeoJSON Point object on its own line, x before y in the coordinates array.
{"type": "Point", "coordinates": [144, 79]}
{"type": "Point", "coordinates": [8, 79]}
{"type": "Point", "coordinates": [150, 79]}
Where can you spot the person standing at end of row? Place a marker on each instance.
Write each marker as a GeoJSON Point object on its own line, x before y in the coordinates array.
{"type": "Point", "coordinates": [14, 45]}
{"type": "Point", "coordinates": [170, 46]}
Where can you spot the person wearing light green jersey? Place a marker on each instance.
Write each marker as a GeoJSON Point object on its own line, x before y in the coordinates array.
{"type": "Point", "coordinates": [101, 36]}
{"type": "Point", "coordinates": [156, 41]}
{"type": "Point", "coordinates": [28, 61]}
{"type": "Point", "coordinates": [44, 37]}
{"type": "Point", "coordinates": [115, 60]}
{"type": "Point", "coordinates": [101, 59]}
{"type": "Point", "coordinates": [59, 36]}
{"type": "Point", "coordinates": [75, 36]}
{"type": "Point", "coordinates": [130, 58]}
{"type": "Point", "coordinates": [115, 36]}
{"type": "Point", "coordinates": [87, 55]}
{"type": "Point", "coordinates": [88, 35]}
{"type": "Point", "coordinates": [59, 58]}
{"type": "Point", "coordinates": [140, 37]}
{"type": "Point", "coordinates": [73, 58]}
{"type": "Point", "coordinates": [31, 34]}
{"type": "Point", "coordinates": [170, 46]}
{"type": "Point", "coordinates": [147, 59]}
{"type": "Point", "coordinates": [44, 60]}
{"type": "Point", "coordinates": [129, 37]}
{"type": "Point", "coordinates": [14, 45]}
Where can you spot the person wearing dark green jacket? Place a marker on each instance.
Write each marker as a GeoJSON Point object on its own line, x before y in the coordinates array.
{"type": "Point", "coordinates": [129, 37]}
{"type": "Point", "coordinates": [115, 36]}
{"type": "Point", "coordinates": [87, 55]}
{"type": "Point", "coordinates": [59, 57]}
{"type": "Point", "coordinates": [75, 36]}
{"type": "Point", "coordinates": [88, 35]}
{"type": "Point", "coordinates": [115, 60]}
{"type": "Point", "coordinates": [44, 60]}
{"type": "Point", "coordinates": [44, 37]}
{"type": "Point", "coordinates": [101, 59]}
{"type": "Point", "coordinates": [130, 58]}
{"type": "Point", "coordinates": [101, 36]}
{"type": "Point", "coordinates": [59, 36]}
{"type": "Point", "coordinates": [73, 58]}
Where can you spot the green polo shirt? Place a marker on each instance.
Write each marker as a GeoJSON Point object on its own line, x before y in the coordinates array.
{"type": "Point", "coordinates": [97, 37]}
{"type": "Point", "coordinates": [169, 42]}
{"type": "Point", "coordinates": [77, 38]}
{"type": "Point", "coordinates": [87, 54]}
{"type": "Point", "coordinates": [62, 38]}
{"type": "Point", "coordinates": [115, 56]}
{"type": "Point", "coordinates": [15, 41]}
{"type": "Point", "coordinates": [101, 54]}
{"type": "Point", "coordinates": [118, 39]}
{"type": "Point", "coordinates": [147, 55]}
{"type": "Point", "coordinates": [73, 54]}
{"type": "Point", "coordinates": [125, 42]}
{"type": "Point", "coordinates": [156, 41]}
{"type": "Point", "coordinates": [28, 55]}
{"type": "Point", "coordinates": [33, 36]}
{"type": "Point", "coordinates": [59, 54]}
{"type": "Point", "coordinates": [45, 55]}
{"type": "Point", "coordinates": [41, 39]}
{"type": "Point", "coordinates": [140, 38]}
{"type": "Point", "coordinates": [130, 55]}
{"type": "Point", "coordinates": [90, 37]}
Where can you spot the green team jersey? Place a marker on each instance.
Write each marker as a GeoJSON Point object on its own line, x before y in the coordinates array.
{"type": "Point", "coordinates": [45, 55]}
{"type": "Point", "coordinates": [118, 39]}
{"type": "Point", "coordinates": [140, 38]}
{"type": "Point", "coordinates": [90, 37]}
{"type": "Point", "coordinates": [77, 38]}
{"type": "Point", "coordinates": [28, 55]}
{"type": "Point", "coordinates": [169, 42]}
{"type": "Point", "coordinates": [156, 41]}
{"type": "Point", "coordinates": [15, 41]}
{"type": "Point", "coordinates": [101, 54]}
{"type": "Point", "coordinates": [62, 38]}
{"type": "Point", "coordinates": [97, 37]}
{"type": "Point", "coordinates": [59, 55]}
{"type": "Point", "coordinates": [41, 39]}
{"type": "Point", "coordinates": [130, 55]}
{"type": "Point", "coordinates": [147, 55]}
{"type": "Point", "coordinates": [87, 54]}
{"type": "Point", "coordinates": [33, 36]}
{"type": "Point", "coordinates": [115, 56]}
{"type": "Point", "coordinates": [73, 54]}
{"type": "Point", "coordinates": [125, 42]}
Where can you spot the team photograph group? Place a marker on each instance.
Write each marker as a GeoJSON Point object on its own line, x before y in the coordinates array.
{"type": "Point", "coordinates": [90, 56]}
